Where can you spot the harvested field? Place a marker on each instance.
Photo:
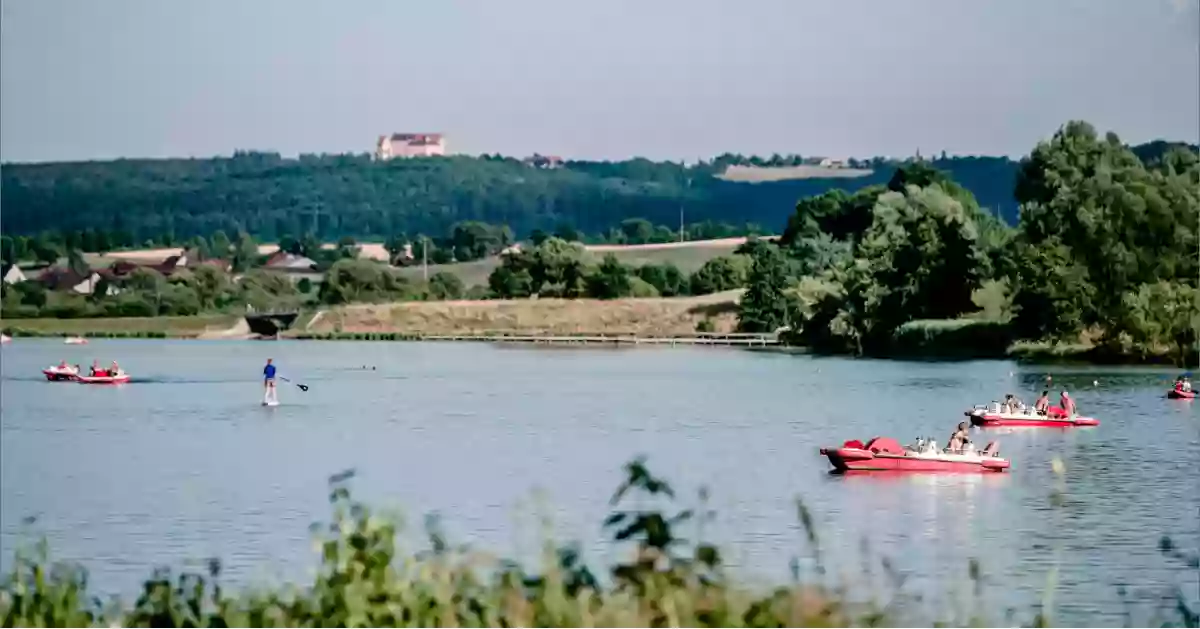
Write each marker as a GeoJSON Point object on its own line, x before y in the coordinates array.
{"type": "Point", "coordinates": [760, 174]}
{"type": "Point", "coordinates": [642, 317]}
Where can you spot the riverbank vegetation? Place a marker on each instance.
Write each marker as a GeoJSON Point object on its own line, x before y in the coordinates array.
{"type": "Point", "coordinates": [122, 327]}
{"type": "Point", "coordinates": [339, 277]}
{"type": "Point", "coordinates": [670, 576]}
{"type": "Point", "coordinates": [1103, 263]}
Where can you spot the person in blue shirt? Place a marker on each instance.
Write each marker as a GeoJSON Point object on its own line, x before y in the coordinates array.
{"type": "Point", "coordinates": [269, 376]}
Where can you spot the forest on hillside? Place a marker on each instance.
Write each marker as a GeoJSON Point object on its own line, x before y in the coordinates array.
{"type": "Point", "coordinates": [331, 196]}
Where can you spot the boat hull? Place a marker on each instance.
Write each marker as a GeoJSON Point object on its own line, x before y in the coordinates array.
{"type": "Point", "coordinates": [121, 379]}
{"type": "Point", "coordinates": [859, 460]}
{"type": "Point", "coordinates": [1181, 395]}
{"type": "Point", "coordinates": [989, 419]}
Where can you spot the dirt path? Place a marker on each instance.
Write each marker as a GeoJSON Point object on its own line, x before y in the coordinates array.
{"type": "Point", "coordinates": [313, 321]}
{"type": "Point", "coordinates": [241, 330]}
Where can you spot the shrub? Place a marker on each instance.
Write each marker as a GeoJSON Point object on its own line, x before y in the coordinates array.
{"type": "Point", "coordinates": [667, 279]}
{"type": "Point", "coordinates": [960, 338]}
{"type": "Point", "coordinates": [641, 288]}
{"type": "Point", "coordinates": [445, 285]}
{"type": "Point", "coordinates": [720, 274]}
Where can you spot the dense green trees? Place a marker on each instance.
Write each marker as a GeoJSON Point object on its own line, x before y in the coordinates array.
{"type": "Point", "coordinates": [764, 306]}
{"type": "Point", "coordinates": [1108, 245]}
{"type": "Point", "coordinates": [123, 203]}
{"type": "Point", "coordinates": [557, 268]}
{"type": "Point", "coordinates": [357, 281]}
{"type": "Point", "coordinates": [1106, 252]}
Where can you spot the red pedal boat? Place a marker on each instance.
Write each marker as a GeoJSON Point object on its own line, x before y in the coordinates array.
{"type": "Point", "coordinates": [120, 378]}
{"type": "Point", "coordinates": [886, 454]}
{"type": "Point", "coordinates": [993, 415]}
{"type": "Point", "coordinates": [59, 373]}
{"type": "Point", "coordinates": [1179, 394]}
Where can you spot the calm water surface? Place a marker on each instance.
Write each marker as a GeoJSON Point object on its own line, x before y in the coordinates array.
{"type": "Point", "coordinates": [185, 464]}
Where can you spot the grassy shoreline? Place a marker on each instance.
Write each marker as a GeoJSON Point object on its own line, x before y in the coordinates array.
{"type": "Point", "coordinates": [573, 322]}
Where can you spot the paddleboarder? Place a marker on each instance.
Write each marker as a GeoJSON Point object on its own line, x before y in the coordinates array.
{"type": "Point", "coordinates": [269, 379]}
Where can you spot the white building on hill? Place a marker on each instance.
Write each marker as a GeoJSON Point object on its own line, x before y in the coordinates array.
{"type": "Point", "coordinates": [410, 145]}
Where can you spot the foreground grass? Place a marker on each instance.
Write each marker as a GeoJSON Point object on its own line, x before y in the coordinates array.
{"type": "Point", "coordinates": [364, 580]}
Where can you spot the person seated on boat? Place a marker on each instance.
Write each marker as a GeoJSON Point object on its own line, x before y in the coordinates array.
{"type": "Point", "coordinates": [1067, 404]}
{"type": "Point", "coordinates": [959, 438]}
{"type": "Point", "coordinates": [1042, 403]}
{"type": "Point", "coordinates": [115, 370]}
{"type": "Point", "coordinates": [1187, 385]}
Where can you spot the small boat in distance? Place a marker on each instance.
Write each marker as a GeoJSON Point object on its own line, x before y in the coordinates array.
{"type": "Point", "coordinates": [5, 339]}
{"type": "Point", "coordinates": [995, 415]}
{"type": "Point", "coordinates": [1179, 394]}
{"type": "Point", "coordinates": [60, 373]}
{"type": "Point", "coordinates": [886, 454]}
{"type": "Point", "coordinates": [75, 340]}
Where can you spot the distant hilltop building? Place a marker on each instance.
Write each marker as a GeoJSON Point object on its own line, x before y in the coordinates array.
{"type": "Point", "coordinates": [544, 161]}
{"type": "Point", "coordinates": [410, 145]}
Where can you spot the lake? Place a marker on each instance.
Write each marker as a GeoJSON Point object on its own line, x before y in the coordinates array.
{"type": "Point", "coordinates": [184, 463]}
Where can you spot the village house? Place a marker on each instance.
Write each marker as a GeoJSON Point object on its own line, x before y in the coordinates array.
{"type": "Point", "coordinates": [294, 267]}
{"type": "Point", "coordinates": [830, 162]}
{"type": "Point", "coordinates": [409, 145]}
{"type": "Point", "coordinates": [13, 274]}
{"type": "Point", "coordinates": [168, 267]}
{"type": "Point", "coordinates": [60, 279]}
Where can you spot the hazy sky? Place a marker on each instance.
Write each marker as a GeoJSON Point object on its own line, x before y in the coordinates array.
{"type": "Point", "coordinates": [676, 79]}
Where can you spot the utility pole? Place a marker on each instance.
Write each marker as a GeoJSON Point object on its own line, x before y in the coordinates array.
{"type": "Point", "coordinates": [425, 256]}
{"type": "Point", "coordinates": [687, 187]}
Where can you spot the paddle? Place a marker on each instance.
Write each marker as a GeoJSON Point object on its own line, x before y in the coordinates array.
{"type": "Point", "coordinates": [302, 387]}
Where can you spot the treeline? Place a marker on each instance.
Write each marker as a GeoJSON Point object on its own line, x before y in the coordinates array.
{"type": "Point", "coordinates": [466, 241]}
{"type": "Point", "coordinates": [559, 268]}
{"type": "Point", "coordinates": [1105, 255]}
{"type": "Point", "coordinates": [267, 196]}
